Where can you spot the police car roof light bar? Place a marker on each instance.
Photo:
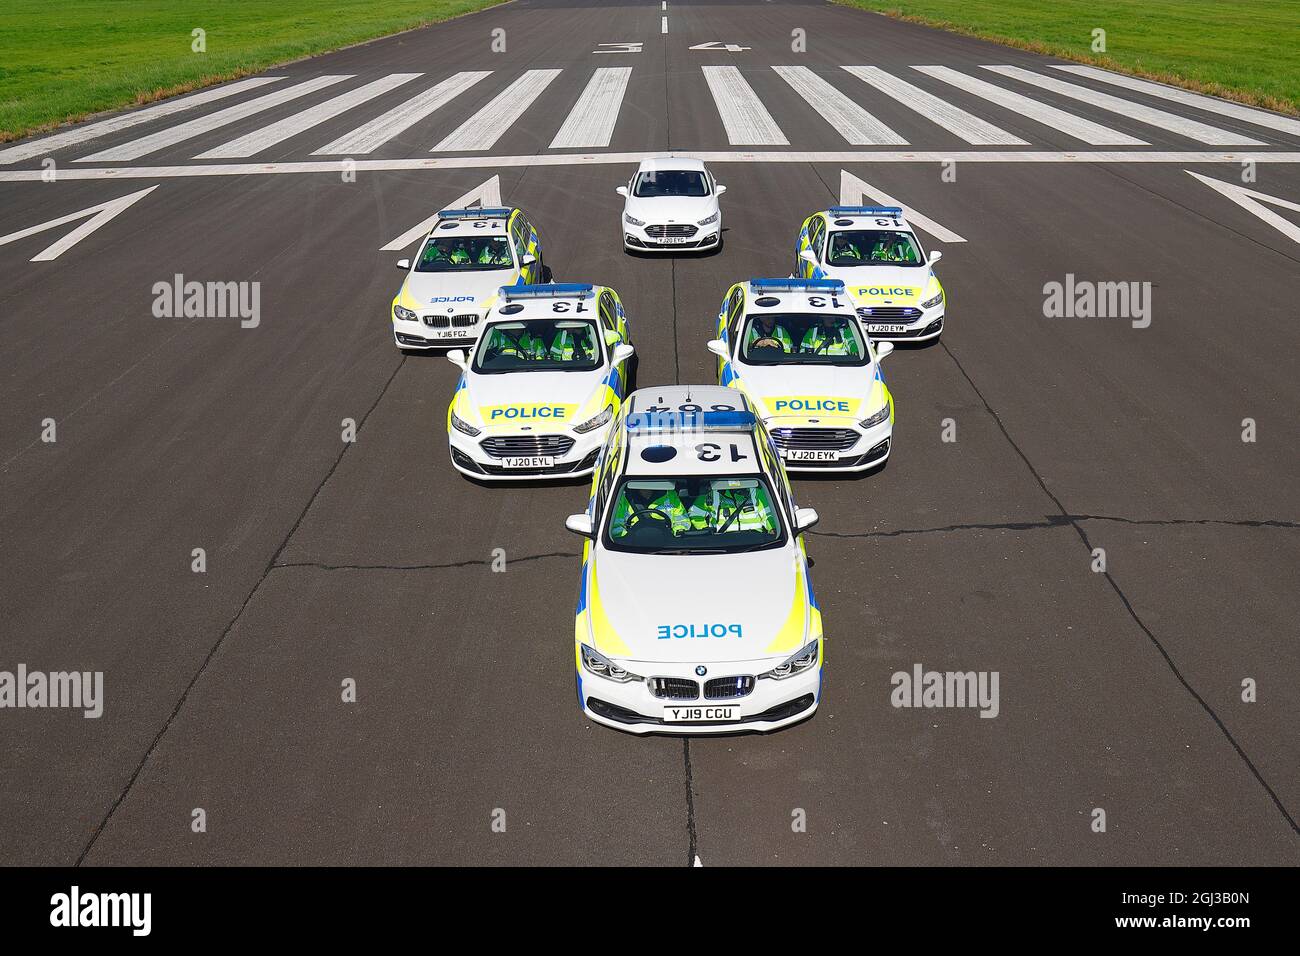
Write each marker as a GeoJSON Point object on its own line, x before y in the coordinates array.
{"type": "Point", "coordinates": [796, 285]}
{"type": "Point", "coordinates": [486, 212]}
{"type": "Point", "coordinates": [552, 290]}
{"type": "Point", "coordinates": [679, 421]}
{"type": "Point", "coordinates": [894, 211]}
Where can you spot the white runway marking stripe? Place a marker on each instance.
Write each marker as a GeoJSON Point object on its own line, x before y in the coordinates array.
{"type": "Point", "coordinates": [911, 157]}
{"type": "Point", "coordinates": [850, 120]}
{"type": "Point", "coordinates": [745, 118]}
{"type": "Point", "coordinates": [940, 112]}
{"type": "Point", "coordinates": [253, 143]}
{"type": "Point", "coordinates": [101, 214]}
{"type": "Point", "coordinates": [1076, 126]}
{"type": "Point", "coordinates": [853, 191]}
{"type": "Point", "coordinates": [591, 121]}
{"type": "Point", "coordinates": [368, 138]}
{"type": "Point", "coordinates": [484, 128]}
{"type": "Point", "coordinates": [1224, 108]}
{"type": "Point", "coordinates": [1201, 132]}
{"type": "Point", "coordinates": [205, 124]}
{"type": "Point", "coordinates": [43, 147]}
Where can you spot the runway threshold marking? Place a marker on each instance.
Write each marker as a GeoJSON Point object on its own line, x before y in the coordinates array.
{"type": "Point", "coordinates": [591, 121]}
{"type": "Point", "coordinates": [1094, 134]}
{"type": "Point", "coordinates": [485, 194]}
{"type": "Point", "coordinates": [1210, 104]}
{"type": "Point", "coordinates": [205, 124]}
{"type": "Point", "coordinates": [253, 143]}
{"type": "Point", "coordinates": [484, 128]}
{"type": "Point", "coordinates": [744, 117]}
{"type": "Point", "coordinates": [102, 213]}
{"type": "Point", "coordinates": [47, 145]}
{"type": "Point", "coordinates": [1201, 132]}
{"type": "Point", "coordinates": [954, 119]}
{"type": "Point", "coordinates": [854, 190]}
{"type": "Point", "coordinates": [372, 135]}
{"type": "Point", "coordinates": [855, 124]}
{"type": "Point", "coordinates": [1252, 201]}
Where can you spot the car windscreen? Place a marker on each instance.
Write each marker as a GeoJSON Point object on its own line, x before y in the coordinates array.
{"type": "Point", "coordinates": [538, 345]}
{"type": "Point", "coordinates": [872, 247]}
{"type": "Point", "coordinates": [786, 338]}
{"type": "Point", "coordinates": [693, 515]}
{"type": "Point", "coordinates": [465, 254]}
{"type": "Point", "coordinates": [671, 182]}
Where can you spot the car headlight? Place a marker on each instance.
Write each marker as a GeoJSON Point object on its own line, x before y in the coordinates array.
{"type": "Point", "coordinates": [406, 315]}
{"type": "Point", "coordinates": [803, 659]}
{"type": "Point", "coordinates": [931, 303]}
{"type": "Point", "coordinates": [593, 423]}
{"type": "Point", "coordinates": [632, 220]}
{"type": "Point", "coordinates": [463, 426]}
{"type": "Point", "coordinates": [877, 418]}
{"type": "Point", "coordinates": [712, 219]}
{"type": "Point", "coordinates": [602, 666]}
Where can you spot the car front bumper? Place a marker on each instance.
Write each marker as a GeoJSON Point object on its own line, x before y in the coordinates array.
{"type": "Point", "coordinates": [639, 239]}
{"type": "Point", "coordinates": [416, 335]}
{"type": "Point", "coordinates": [633, 707]}
{"type": "Point", "coordinates": [870, 450]}
{"type": "Point", "coordinates": [470, 457]}
{"type": "Point", "coordinates": [927, 326]}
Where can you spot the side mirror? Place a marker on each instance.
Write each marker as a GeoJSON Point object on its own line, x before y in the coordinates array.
{"type": "Point", "coordinates": [805, 518]}
{"type": "Point", "coordinates": [935, 256]}
{"type": "Point", "coordinates": [719, 190]}
{"type": "Point", "coordinates": [404, 265]}
{"type": "Point", "coordinates": [457, 358]}
{"type": "Point", "coordinates": [622, 191]}
{"type": "Point", "coordinates": [623, 352]}
{"type": "Point", "coordinates": [612, 338]}
{"type": "Point", "coordinates": [883, 349]}
{"type": "Point", "coordinates": [580, 524]}
{"type": "Point", "coordinates": [718, 348]}
{"type": "Point", "coordinates": [808, 256]}
{"type": "Point", "coordinates": [528, 259]}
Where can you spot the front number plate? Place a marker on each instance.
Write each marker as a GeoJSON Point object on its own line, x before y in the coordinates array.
{"type": "Point", "coordinates": [811, 454]}
{"type": "Point", "coordinates": [886, 328]}
{"type": "Point", "coordinates": [672, 240]}
{"type": "Point", "coordinates": [677, 715]}
{"type": "Point", "coordinates": [533, 461]}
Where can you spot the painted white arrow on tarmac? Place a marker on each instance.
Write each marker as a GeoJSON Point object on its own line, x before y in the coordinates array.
{"type": "Point", "coordinates": [1253, 201]}
{"type": "Point", "coordinates": [102, 213]}
{"type": "Point", "coordinates": [853, 191]}
{"type": "Point", "coordinates": [485, 194]}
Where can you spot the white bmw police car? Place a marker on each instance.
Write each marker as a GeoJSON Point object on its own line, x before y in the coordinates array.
{"type": "Point", "coordinates": [670, 205]}
{"type": "Point", "coordinates": [874, 251]}
{"type": "Point", "coordinates": [797, 349]}
{"type": "Point", "coordinates": [539, 389]}
{"type": "Point", "coordinates": [695, 612]}
{"type": "Point", "coordinates": [465, 258]}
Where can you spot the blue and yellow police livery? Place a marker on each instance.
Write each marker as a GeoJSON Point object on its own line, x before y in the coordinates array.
{"type": "Point", "coordinates": [695, 610]}
{"type": "Point", "coordinates": [886, 273]}
{"type": "Point", "coordinates": [798, 351]}
{"type": "Point", "coordinates": [538, 390]}
{"type": "Point", "coordinates": [465, 258]}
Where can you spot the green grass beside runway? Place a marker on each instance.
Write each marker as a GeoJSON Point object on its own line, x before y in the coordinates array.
{"type": "Point", "coordinates": [63, 59]}
{"type": "Point", "coordinates": [1245, 50]}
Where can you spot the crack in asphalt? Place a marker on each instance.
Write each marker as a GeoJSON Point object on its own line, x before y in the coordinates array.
{"type": "Point", "coordinates": [1075, 523]}
{"type": "Point", "coordinates": [692, 836]}
{"type": "Point", "coordinates": [212, 652]}
{"type": "Point", "coordinates": [1062, 520]}
{"type": "Point", "coordinates": [475, 562]}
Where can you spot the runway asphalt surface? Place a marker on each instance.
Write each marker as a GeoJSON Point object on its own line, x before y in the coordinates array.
{"type": "Point", "coordinates": [372, 560]}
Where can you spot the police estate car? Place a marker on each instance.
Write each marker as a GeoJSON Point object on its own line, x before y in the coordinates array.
{"type": "Point", "coordinates": [797, 349]}
{"type": "Point", "coordinates": [695, 611]}
{"type": "Point", "coordinates": [466, 257]}
{"type": "Point", "coordinates": [880, 260]}
{"type": "Point", "coordinates": [539, 389]}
